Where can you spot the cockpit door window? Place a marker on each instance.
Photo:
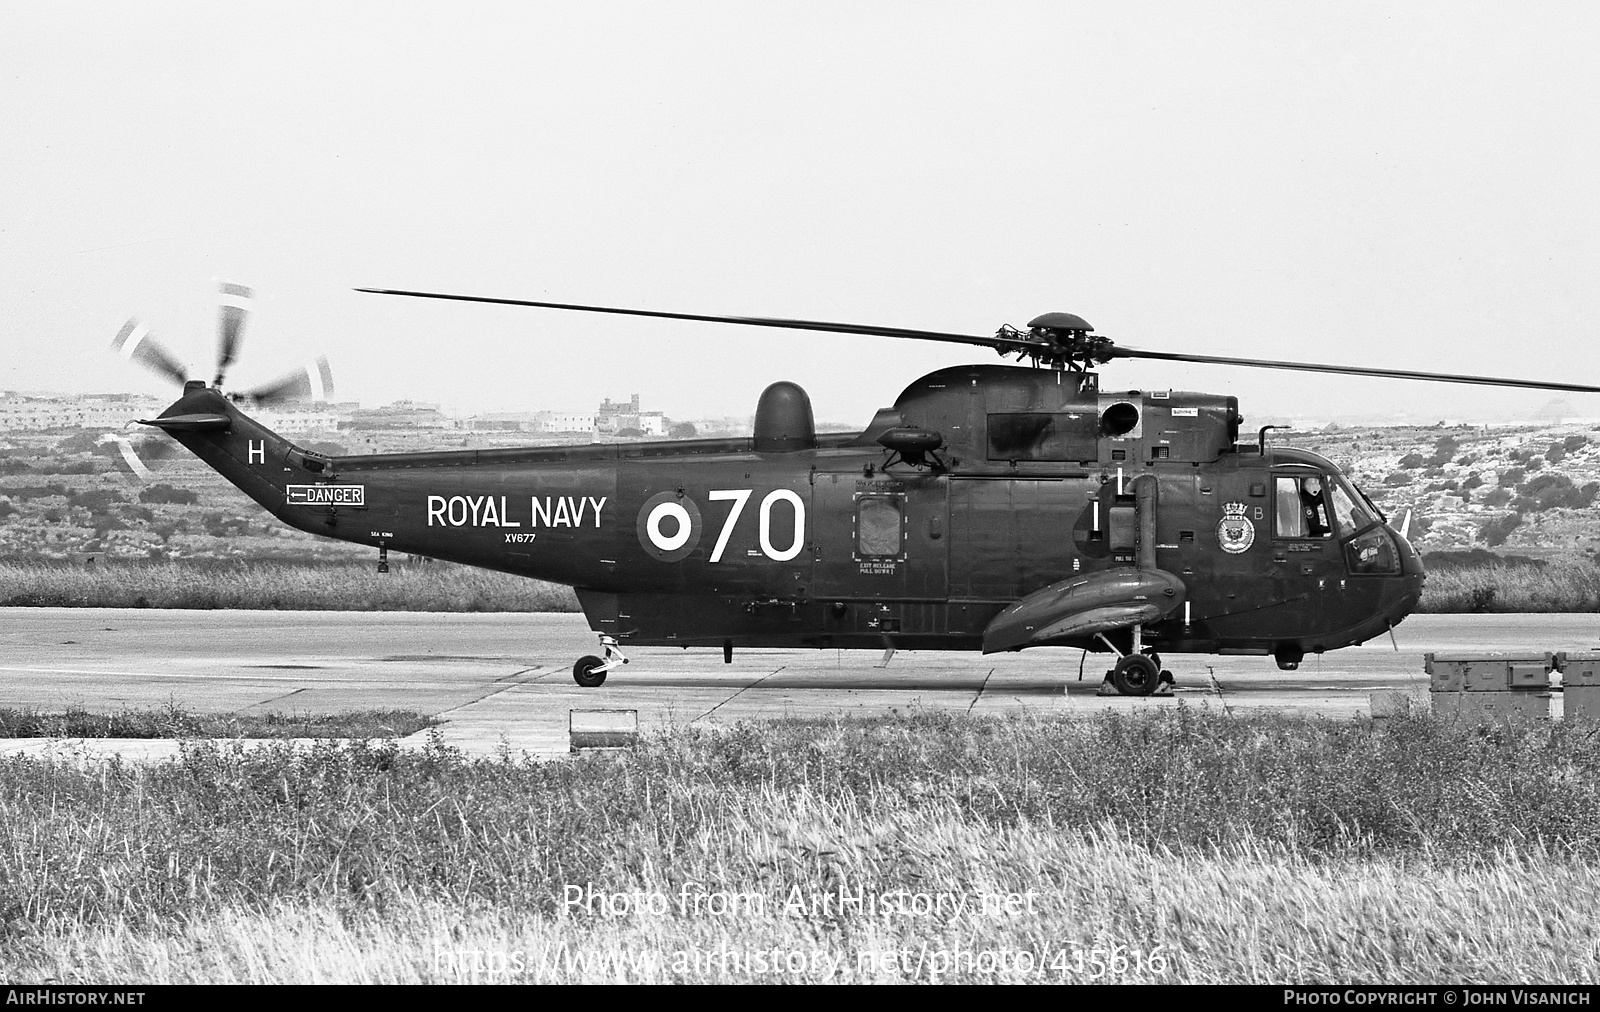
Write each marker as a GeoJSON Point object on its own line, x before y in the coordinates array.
{"type": "Point", "coordinates": [1301, 509]}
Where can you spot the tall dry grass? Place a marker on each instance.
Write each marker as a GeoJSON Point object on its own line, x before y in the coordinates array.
{"type": "Point", "coordinates": [1557, 587]}
{"type": "Point", "coordinates": [1241, 914]}
{"type": "Point", "coordinates": [172, 721]}
{"type": "Point", "coordinates": [277, 586]}
{"type": "Point", "coordinates": [1262, 849]}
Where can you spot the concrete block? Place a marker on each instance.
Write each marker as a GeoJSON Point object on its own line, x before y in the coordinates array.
{"type": "Point", "coordinates": [1386, 703]}
{"type": "Point", "coordinates": [1492, 707]}
{"type": "Point", "coordinates": [602, 729]}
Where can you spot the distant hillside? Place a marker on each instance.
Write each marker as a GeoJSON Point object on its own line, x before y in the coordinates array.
{"type": "Point", "coordinates": [1529, 491]}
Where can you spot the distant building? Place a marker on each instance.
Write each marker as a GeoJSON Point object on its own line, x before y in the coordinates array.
{"type": "Point", "coordinates": [564, 421]}
{"type": "Point", "coordinates": [311, 417]}
{"type": "Point", "coordinates": [504, 421]}
{"type": "Point", "coordinates": [616, 416]}
{"type": "Point", "coordinates": [401, 415]}
{"type": "Point", "coordinates": [21, 412]}
{"type": "Point", "coordinates": [610, 408]}
{"type": "Point", "coordinates": [611, 418]}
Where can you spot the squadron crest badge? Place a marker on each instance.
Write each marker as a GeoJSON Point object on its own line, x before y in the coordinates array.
{"type": "Point", "coordinates": [1235, 533]}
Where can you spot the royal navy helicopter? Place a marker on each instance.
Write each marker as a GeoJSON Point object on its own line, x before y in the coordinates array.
{"type": "Point", "coordinates": [992, 507]}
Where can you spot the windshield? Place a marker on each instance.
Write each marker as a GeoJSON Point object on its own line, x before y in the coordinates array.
{"type": "Point", "coordinates": [1352, 511]}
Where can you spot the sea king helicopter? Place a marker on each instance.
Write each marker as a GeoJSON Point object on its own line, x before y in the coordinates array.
{"type": "Point", "coordinates": [992, 507]}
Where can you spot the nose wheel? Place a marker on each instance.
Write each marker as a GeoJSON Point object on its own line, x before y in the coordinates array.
{"type": "Point", "coordinates": [1136, 673]}
{"type": "Point", "coordinates": [590, 671]}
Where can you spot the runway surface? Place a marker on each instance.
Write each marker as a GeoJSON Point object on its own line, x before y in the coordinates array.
{"type": "Point", "coordinates": [506, 679]}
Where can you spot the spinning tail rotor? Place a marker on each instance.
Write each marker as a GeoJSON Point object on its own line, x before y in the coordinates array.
{"type": "Point", "coordinates": [312, 382]}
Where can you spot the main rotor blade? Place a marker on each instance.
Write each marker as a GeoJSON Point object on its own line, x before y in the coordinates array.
{"type": "Point", "coordinates": [235, 304]}
{"type": "Point", "coordinates": [312, 382]}
{"type": "Point", "coordinates": [987, 341]}
{"type": "Point", "coordinates": [134, 343]}
{"type": "Point", "coordinates": [1350, 370]}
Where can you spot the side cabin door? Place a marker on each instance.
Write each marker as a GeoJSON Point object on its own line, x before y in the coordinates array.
{"type": "Point", "coordinates": [878, 538]}
{"type": "Point", "coordinates": [1271, 559]}
{"type": "Point", "coordinates": [1305, 553]}
{"type": "Point", "coordinates": [1011, 536]}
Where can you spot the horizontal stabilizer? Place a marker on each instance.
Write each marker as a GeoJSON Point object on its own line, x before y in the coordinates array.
{"type": "Point", "coordinates": [1085, 605]}
{"type": "Point", "coordinates": [190, 423]}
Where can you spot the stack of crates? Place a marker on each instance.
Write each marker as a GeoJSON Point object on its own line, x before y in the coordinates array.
{"type": "Point", "coordinates": [1580, 685]}
{"type": "Point", "coordinates": [1491, 688]}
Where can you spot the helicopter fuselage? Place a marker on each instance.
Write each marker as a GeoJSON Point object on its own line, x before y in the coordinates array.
{"type": "Point", "coordinates": [983, 487]}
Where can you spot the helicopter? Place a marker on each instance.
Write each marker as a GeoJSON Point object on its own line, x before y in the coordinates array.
{"type": "Point", "coordinates": [992, 507]}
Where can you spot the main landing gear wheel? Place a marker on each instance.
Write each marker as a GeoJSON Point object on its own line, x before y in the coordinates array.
{"type": "Point", "coordinates": [584, 672]}
{"type": "Point", "coordinates": [590, 671]}
{"type": "Point", "coordinates": [1136, 675]}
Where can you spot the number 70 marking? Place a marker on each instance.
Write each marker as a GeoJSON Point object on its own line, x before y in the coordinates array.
{"type": "Point", "coordinates": [738, 496]}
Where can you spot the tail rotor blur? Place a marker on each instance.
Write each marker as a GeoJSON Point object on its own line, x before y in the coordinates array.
{"type": "Point", "coordinates": [126, 457]}
{"type": "Point", "coordinates": [235, 306]}
{"type": "Point", "coordinates": [136, 459]}
{"type": "Point", "coordinates": [134, 343]}
{"type": "Point", "coordinates": [312, 382]}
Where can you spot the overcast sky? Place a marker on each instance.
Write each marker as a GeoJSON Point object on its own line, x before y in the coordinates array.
{"type": "Point", "coordinates": [1410, 185]}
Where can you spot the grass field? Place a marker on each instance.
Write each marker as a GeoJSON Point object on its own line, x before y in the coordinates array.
{"type": "Point", "coordinates": [276, 586]}
{"type": "Point", "coordinates": [1558, 587]}
{"type": "Point", "coordinates": [1247, 849]}
{"type": "Point", "coordinates": [175, 722]}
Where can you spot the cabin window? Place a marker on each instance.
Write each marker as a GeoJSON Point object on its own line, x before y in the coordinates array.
{"type": "Point", "coordinates": [1302, 511]}
{"type": "Point", "coordinates": [878, 526]}
{"type": "Point", "coordinates": [1039, 435]}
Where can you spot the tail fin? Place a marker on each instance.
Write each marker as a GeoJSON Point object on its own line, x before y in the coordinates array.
{"type": "Point", "coordinates": [259, 461]}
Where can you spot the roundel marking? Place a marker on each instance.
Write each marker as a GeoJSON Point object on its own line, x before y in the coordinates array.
{"type": "Point", "coordinates": [669, 526]}
{"type": "Point", "coordinates": [679, 517]}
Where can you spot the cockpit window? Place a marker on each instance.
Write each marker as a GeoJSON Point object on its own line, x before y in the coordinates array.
{"type": "Point", "coordinates": [1373, 553]}
{"type": "Point", "coordinates": [1349, 516]}
{"type": "Point", "coordinates": [1301, 509]}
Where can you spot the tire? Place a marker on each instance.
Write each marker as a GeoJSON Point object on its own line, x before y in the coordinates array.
{"type": "Point", "coordinates": [1136, 675]}
{"type": "Point", "coordinates": [584, 672]}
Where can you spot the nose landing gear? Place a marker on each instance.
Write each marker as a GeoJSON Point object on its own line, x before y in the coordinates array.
{"type": "Point", "coordinates": [1136, 673]}
{"type": "Point", "coordinates": [590, 671]}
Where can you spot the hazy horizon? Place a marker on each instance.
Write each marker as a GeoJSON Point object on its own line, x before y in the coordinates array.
{"type": "Point", "coordinates": [1368, 185]}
